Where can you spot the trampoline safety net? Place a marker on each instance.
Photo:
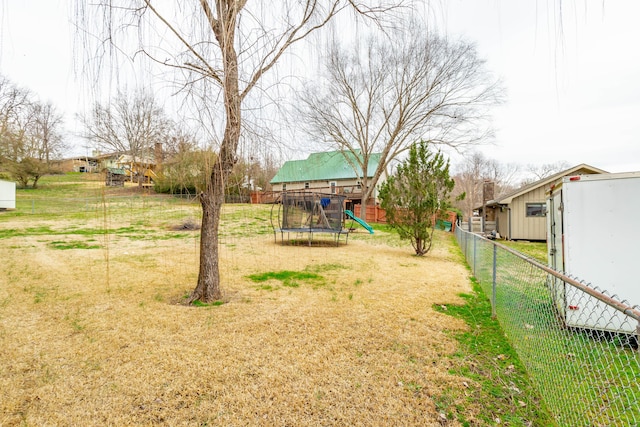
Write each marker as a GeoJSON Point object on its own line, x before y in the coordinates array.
{"type": "Point", "coordinates": [306, 212]}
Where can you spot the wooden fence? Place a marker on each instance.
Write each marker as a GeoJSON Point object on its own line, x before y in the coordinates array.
{"type": "Point", "coordinates": [378, 215]}
{"type": "Point", "coordinates": [476, 225]}
{"type": "Point", "coordinates": [375, 214]}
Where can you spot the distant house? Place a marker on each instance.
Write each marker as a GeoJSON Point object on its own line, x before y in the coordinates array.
{"type": "Point", "coordinates": [97, 162]}
{"type": "Point", "coordinates": [79, 164]}
{"type": "Point", "coordinates": [521, 214]}
{"type": "Point", "coordinates": [330, 172]}
{"type": "Point", "coordinates": [143, 167]}
{"type": "Point", "coordinates": [108, 160]}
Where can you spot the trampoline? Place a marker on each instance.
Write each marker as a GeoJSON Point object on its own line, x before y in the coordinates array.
{"type": "Point", "coordinates": [305, 213]}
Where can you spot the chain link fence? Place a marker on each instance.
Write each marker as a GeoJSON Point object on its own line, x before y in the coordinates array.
{"type": "Point", "coordinates": [579, 344]}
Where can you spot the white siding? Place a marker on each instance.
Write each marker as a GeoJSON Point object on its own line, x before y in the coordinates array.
{"type": "Point", "coordinates": [7, 195]}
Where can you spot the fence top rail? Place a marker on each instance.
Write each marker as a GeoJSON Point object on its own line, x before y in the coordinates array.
{"type": "Point", "coordinates": [630, 311]}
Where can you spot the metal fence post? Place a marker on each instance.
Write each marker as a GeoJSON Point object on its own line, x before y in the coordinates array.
{"type": "Point", "coordinates": [467, 250]}
{"type": "Point", "coordinates": [493, 284]}
{"type": "Point", "coordinates": [474, 255]}
{"type": "Point", "coordinates": [466, 246]}
{"type": "Point", "coordinates": [526, 300]}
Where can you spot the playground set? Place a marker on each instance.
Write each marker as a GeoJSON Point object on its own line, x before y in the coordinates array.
{"type": "Point", "coordinates": [298, 213]}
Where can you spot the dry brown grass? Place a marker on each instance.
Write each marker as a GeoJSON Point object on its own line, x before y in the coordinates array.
{"type": "Point", "coordinates": [95, 336]}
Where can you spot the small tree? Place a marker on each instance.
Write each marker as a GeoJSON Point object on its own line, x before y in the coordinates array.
{"type": "Point", "coordinates": [416, 193]}
{"type": "Point", "coordinates": [27, 169]}
{"type": "Point", "coordinates": [186, 172]}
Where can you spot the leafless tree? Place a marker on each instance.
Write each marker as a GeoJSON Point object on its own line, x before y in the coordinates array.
{"type": "Point", "coordinates": [46, 132]}
{"type": "Point", "coordinates": [30, 134]}
{"type": "Point", "coordinates": [224, 48]}
{"type": "Point", "coordinates": [128, 126]}
{"type": "Point", "coordinates": [180, 140]}
{"type": "Point", "coordinates": [14, 102]}
{"type": "Point", "coordinates": [392, 91]}
{"type": "Point", "coordinates": [538, 172]}
{"type": "Point", "coordinates": [471, 174]}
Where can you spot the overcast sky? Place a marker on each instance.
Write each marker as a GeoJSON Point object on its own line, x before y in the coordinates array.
{"type": "Point", "coordinates": [572, 77]}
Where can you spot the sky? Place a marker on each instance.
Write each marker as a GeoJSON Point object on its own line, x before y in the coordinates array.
{"type": "Point", "coordinates": [571, 75]}
{"type": "Point", "coordinates": [571, 70]}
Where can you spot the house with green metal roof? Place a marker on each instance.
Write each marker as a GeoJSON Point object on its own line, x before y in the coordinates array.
{"type": "Point", "coordinates": [334, 172]}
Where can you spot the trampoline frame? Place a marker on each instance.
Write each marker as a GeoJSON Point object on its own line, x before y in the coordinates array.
{"type": "Point", "coordinates": [318, 220]}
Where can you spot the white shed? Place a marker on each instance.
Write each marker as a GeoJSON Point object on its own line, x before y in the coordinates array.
{"type": "Point", "coordinates": [7, 195]}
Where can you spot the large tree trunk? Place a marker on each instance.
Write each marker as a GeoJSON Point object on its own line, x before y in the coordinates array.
{"type": "Point", "coordinates": [366, 195]}
{"type": "Point", "coordinates": [208, 288]}
{"type": "Point", "coordinates": [363, 208]}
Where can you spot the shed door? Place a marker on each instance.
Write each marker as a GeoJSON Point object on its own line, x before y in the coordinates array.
{"type": "Point", "coordinates": [556, 248]}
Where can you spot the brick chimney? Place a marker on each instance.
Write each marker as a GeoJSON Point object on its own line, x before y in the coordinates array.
{"type": "Point", "coordinates": [158, 156]}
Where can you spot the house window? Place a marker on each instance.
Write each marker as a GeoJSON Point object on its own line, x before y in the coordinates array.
{"type": "Point", "coordinates": [306, 185]}
{"type": "Point", "coordinates": [333, 185]}
{"type": "Point", "coordinates": [284, 187]}
{"type": "Point", "coordinates": [536, 209]}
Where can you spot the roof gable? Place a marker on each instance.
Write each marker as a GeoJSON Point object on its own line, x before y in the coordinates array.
{"type": "Point", "coordinates": [331, 165]}
{"type": "Point", "coordinates": [582, 169]}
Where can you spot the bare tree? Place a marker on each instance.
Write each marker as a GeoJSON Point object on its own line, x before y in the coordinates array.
{"type": "Point", "coordinates": [14, 102]}
{"type": "Point", "coordinates": [128, 126]}
{"type": "Point", "coordinates": [224, 47]}
{"type": "Point", "coordinates": [396, 90]}
{"type": "Point", "coordinates": [30, 134]}
{"type": "Point", "coordinates": [538, 172]}
{"type": "Point", "coordinates": [46, 132]}
{"type": "Point", "coordinates": [266, 169]}
{"type": "Point", "coordinates": [180, 140]}
{"type": "Point", "coordinates": [471, 174]}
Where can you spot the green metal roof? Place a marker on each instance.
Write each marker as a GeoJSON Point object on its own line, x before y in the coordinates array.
{"type": "Point", "coordinates": [332, 165]}
{"type": "Point", "coordinates": [116, 171]}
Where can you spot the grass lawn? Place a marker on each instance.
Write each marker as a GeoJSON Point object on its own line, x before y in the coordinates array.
{"type": "Point", "coordinates": [535, 250]}
{"type": "Point", "coordinates": [588, 377]}
{"type": "Point", "coordinates": [93, 329]}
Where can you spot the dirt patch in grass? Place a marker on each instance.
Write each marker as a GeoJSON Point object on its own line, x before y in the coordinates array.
{"type": "Point", "coordinates": [94, 337]}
